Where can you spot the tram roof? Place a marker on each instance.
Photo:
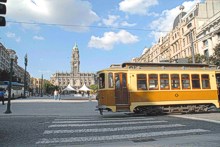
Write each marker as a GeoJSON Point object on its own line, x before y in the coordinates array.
{"type": "Point", "coordinates": [199, 65]}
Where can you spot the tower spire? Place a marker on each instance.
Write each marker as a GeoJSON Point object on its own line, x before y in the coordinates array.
{"type": "Point", "coordinates": [75, 46]}
{"type": "Point", "coordinates": [75, 63]}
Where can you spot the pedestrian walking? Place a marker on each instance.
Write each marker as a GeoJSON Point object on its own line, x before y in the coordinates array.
{"type": "Point", "coordinates": [59, 95]}
{"type": "Point", "coordinates": [2, 98]}
{"type": "Point", "coordinates": [55, 94]}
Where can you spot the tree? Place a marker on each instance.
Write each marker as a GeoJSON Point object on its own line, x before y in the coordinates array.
{"type": "Point", "coordinates": [4, 75]}
{"type": "Point", "coordinates": [215, 58]}
{"type": "Point", "coordinates": [94, 88]}
{"type": "Point", "coordinates": [49, 88]}
{"type": "Point", "coordinates": [198, 59]}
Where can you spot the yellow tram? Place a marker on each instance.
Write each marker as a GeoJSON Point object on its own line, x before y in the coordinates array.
{"type": "Point", "coordinates": [152, 88]}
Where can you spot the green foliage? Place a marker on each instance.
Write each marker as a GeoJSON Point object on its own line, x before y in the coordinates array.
{"type": "Point", "coordinates": [198, 59]}
{"type": "Point", "coordinates": [49, 88]}
{"type": "Point", "coordinates": [5, 76]}
{"type": "Point", "coordinates": [94, 88]}
{"type": "Point", "coordinates": [215, 58]}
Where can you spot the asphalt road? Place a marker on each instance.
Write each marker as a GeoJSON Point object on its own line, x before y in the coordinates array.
{"type": "Point", "coordinates": [48, 122]}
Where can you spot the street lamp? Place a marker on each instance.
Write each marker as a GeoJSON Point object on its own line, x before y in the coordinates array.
{"type": "Point", "coordinates": [42, 80]}
{"type": "Point", "coordinates": [8, 110]}
{"type": "Point", "coordinates": [25, 80]}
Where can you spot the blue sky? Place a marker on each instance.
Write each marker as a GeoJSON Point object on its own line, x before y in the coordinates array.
{"type": "Point", "coordinates": [106, 31]}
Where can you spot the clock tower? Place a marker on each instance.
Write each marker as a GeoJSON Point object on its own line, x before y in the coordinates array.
{"type": "Point", "coordinates": [75, 60]}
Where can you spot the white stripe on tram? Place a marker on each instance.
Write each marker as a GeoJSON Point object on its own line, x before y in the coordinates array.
{"type": "Point", "coordinates": [110, 129]}
{"type": "Point", "coordinates": [121, 120]}
{"type": "Point", "coordinates": [104, 124]}
{"type": "Point", "coordinates": [116, 137]}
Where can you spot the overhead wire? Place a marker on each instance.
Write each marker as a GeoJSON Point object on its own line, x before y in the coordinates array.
{"type": "Point", "coordinates": [85, 26]}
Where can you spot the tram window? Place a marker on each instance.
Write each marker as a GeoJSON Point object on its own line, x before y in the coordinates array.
{"type": "Point", "coordinates": [102, 80]}
{"type": "Point", "coordinates": [205, 82]}
{"type": "Point", "coordinates": [185, 81]}
{"type": "Point", "coordinates": [195, 81]}
{"type": "Point", "coordinates": [110, 80]}
{"type": "Point", "coordinates": [141, 82]}
{"type": "Point", "coordinates": [153, 81]}
{"type": "Point", "coordinates": [124, 80]}
{"type": "Point", "coordinates": [164, 81]}
{"type": "Point", "coordinates": [117, 82]}
{"type": "Point", "coordinates": [218, 80]}
{"type": "Point", "coordinates": [175, 81]}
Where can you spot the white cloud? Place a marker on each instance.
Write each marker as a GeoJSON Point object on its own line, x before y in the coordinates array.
{"type": "Point", "coordinates": [111, 21]}
{"type": "Point", "coordinates": [13, 36]}
{"type": "Point", "coordinates": [126, 24]}
{"type": "Point", "coordinates": [114, 21]}
{"type": "Point", "coordinates": [165, 22]}
{"type": "Point", "coordinates": [10, 35]}
{"type": "Point", "coordinates": [38, 38]}
{"type": "Point", "coordinates": [137, 6]}
{"type": "Point", "coordinates": [69, 12]}
{"type": "Point", "coordinates": [109, 39]}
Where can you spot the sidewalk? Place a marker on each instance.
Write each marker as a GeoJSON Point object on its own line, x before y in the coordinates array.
{"type": "Point", "coordinates": [47, 106]}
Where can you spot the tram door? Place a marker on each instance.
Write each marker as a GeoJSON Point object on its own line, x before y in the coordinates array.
{"type": "Point", "coordinates": [121, 90]}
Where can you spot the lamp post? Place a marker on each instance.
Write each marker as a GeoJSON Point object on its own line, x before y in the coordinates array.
{"type": "Point", "coordinates": [25, 80]}
{"type": "Point", "coordinates": [42, 80]}
{"type": "Point", "coordinates": [8, 110]}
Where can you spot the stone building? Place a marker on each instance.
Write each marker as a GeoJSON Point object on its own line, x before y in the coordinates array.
{"type": "Point", "coordinates": [194, 32]}
{"type": "Point", "coordinates": [37, 86]}
{"type": "Point", "coordinates": [75, 78]}
{"type": "Point", "coordinates": [5, 61]}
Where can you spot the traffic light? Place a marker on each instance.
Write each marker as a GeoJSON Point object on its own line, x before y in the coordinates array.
{"type": "Point", "coordinates": [2, 11]}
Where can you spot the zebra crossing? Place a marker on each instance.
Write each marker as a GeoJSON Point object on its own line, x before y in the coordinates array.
{"type": "Point", "coordinates": [94, 130]}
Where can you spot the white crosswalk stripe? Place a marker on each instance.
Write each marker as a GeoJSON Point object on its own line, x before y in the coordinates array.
{"type": "Point", "coordinates": [95, 130]}
{"type": "Point", "coordinates": [117, 137]}
{"type": "Point", "coordinates": [112, 129]}
{"type": "Point", "coordinates": [97, 121]}
{"type": "Point", "coordinates": [105, 124]}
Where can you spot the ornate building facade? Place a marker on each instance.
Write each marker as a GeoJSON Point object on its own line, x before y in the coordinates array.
{"type": "Point", "coordinates": [194, 32]}
{"type": "Point", "coordinates": [75, 78]}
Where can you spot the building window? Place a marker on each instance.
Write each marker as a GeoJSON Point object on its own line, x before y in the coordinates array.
{"type": "Point", "coordinates": [206, 53]}
{"type": "Point", "coordinates": [195, 81]}
{"type": "Point", "coordinates": [205, 43]}
{"type": "Point", "coordinates": [141, 82]}
{"type": "Point", "coordinates": [185, 81]}
{"type": "Point", "coordinates": [164, 82]}
{"type": "Point", "coordinates": [205, 82]}
{"type": "Point", "coordinates": [175, 81]}
{"type": "Point", "coordinates": [218, 36]}
{"type": "Point", "coordinates": [153, 81]}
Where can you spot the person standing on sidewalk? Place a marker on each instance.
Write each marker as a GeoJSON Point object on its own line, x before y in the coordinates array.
{"type": "Point", "coordinates": [55, 94]}
{"type": "Point", "coordinates": [2, 93]}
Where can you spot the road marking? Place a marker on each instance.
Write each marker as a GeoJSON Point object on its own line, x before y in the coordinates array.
{"type": "Point", "coordinates": [92, 118]}
{"type": "Point", "coordinates": [194, 118]}
{"type": "Point", "coordinates": [116, 137]}
{"type": "Point", "coordinates": [110, 129]}
{"type": "Point", "coordinates": [98, 121]}
{"type": "Point", "coordinates": [104, 124]}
